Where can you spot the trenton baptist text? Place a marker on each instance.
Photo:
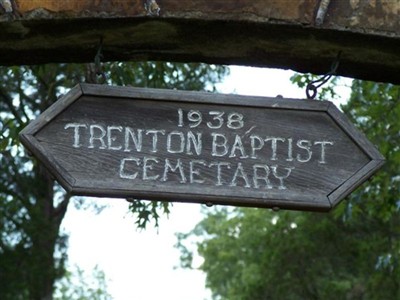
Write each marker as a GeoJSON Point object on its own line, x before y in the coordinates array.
{"type": "Point", "coordinates": [203, 148]}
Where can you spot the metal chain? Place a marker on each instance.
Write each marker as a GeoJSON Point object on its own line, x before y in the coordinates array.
{"type": "Point", "coordinates": [313, 86]}
{"type": "Point", "coordinates": [98, 68]}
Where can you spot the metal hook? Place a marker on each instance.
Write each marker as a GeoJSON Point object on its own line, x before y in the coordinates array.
{"type": "Point", "coordinates": [97, 61]}
{"type": "Point", "coordinates": [99, 55]}
{"type": "Point", "coordinates": [151, 7]}
{"type": "Point", "coordinates": [312, 87]}
{"type": "Point", "coordinates": [322, 10]}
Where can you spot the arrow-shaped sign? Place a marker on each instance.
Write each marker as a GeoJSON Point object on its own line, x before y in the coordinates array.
{"type": "Point", "coordinates": [200, 147]}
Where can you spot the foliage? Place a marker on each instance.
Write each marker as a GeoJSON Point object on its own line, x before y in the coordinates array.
{"type": "Point", "coordinates": [78, 285]}
{"type": "Point", "coordinates": [351, 253]}
{"type": "Point", "coordinates": [32, 205]}
{"type": "Point", "coordinates": [375, 109]}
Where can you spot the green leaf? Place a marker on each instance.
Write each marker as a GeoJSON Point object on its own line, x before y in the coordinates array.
{"type": "Point", "coordinates": [3, 143]}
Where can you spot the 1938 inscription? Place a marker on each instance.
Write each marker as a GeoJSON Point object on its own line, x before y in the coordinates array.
{"type": "Point", "coordinates": [144, 144]}
{"type": "Point", "coordinates": [201, 147]}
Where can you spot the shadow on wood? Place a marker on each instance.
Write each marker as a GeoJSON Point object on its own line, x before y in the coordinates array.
{"type": "Point", "coordinates": [256, 33]}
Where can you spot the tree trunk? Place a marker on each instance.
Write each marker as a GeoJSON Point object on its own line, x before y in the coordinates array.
{"type": "Point", "coordinates": [45, 237]}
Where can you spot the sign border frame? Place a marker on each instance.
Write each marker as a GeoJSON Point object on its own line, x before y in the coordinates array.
{"type": "Point", "coordinates": [27, 137]}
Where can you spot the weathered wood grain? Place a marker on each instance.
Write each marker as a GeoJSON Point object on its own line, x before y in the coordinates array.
{"type": "Point", "coordinates": [256, 32]}
{"type": "Point", "coordinates": [201, 147]}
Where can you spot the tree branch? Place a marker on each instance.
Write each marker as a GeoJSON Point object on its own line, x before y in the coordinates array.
{"type": "Point", "coordinates": [61, 209]}
{"type": "Point", "coordinates": [11, 107]}
{"type": "Point", "coordinates": [24, 98]}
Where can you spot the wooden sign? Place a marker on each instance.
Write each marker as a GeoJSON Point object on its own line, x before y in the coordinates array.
{"type": "Point", "coordinates": [201, 147]}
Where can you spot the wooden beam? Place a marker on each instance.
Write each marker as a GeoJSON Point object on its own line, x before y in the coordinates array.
{"type": "Point", "coordinates": [256, 33]}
